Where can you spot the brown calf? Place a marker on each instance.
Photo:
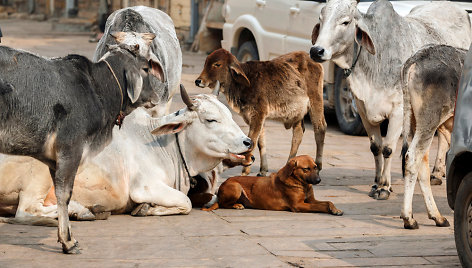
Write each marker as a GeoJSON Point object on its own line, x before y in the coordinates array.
{"type": "Point", "coordinates": [284, 89]}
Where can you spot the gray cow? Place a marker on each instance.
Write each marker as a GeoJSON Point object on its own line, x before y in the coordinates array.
{"type": "Point", "coordinates": [152, 32]}
{"type": "Point", "coordinates": [60, 111]}
{"type": "Point", "coordinates": [385, 41]}
{"type": "Point", "coordinates": [430, 80]}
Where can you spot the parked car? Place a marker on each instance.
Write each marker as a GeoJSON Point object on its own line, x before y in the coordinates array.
{"type": "Point", "coordinates": [459, 166]}
{"type": "Point", "coordinates": [265, 29]}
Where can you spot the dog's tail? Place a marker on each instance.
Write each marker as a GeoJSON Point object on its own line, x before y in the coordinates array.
{"type": "Point", "coordinates": [213, 207]}
{"type": "Point", "coordinates": [31, 220]}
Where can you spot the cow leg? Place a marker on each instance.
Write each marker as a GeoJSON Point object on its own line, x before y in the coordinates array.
{"type": "Point", "coordinates": [415, 159]}
{"type": "Point", "coordinates": [319, 127]}
{"type": "Point", "coordinates": [389, 146]}
{"type": "Point", "coordinates": [165, 200]}
{"type": "Point", "coordinates": [444, 141]}
{"type": "Point", "coordinates": [261, 144]}
{"type": "Point", "coordinates": [425, 186]}
{"type": "Point", "coordinates": [63, 178]}
{"type": "Point", "coordinates": [297, 136]}
{"type": "Point", "coordinates": [255, 127]}
{"type": "Point", "coordinates": [375, 138]}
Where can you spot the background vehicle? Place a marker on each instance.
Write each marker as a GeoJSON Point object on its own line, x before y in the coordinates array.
{"type": "Point", "coordinates": [265, 29]}
{"type": "Point", "coordinates": [459, 166]}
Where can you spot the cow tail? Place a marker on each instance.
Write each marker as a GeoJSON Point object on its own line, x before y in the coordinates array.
{"type": "Point", "coordinates": [30, 220]}
{"type": "Point", "coordinates": [407, 112]}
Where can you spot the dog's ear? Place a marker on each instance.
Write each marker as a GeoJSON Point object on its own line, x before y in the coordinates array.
{"type": "Point", "coordinates": [287, 170]}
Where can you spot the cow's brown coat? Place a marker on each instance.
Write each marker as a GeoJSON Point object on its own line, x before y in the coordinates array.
{"type": "Point", "coordinates": [283, 89]}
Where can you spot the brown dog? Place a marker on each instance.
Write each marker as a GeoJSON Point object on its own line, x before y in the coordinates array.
{"type": "Point", "coordinates": [291, 188]}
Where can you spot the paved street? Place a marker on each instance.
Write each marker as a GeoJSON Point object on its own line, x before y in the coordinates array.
{"type": "Point", "coordinates": [370, 233]}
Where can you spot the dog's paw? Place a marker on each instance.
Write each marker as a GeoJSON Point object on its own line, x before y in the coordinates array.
{"type": "Point", "coordinates": [238, 206]}
{"type": "Point", "coordinates": [337, 212]}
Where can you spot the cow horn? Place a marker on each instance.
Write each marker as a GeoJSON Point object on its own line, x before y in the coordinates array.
{"type": "Point", "coordinates": [186, 98]}
{"type": "Point", "coordinates": [216, 91]}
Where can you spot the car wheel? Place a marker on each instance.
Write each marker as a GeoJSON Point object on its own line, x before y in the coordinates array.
{"type": "Point", "coordinates": [345, 106]}
{"type": "Point", "coordinates": [247, 52]}
{"type": "Point", "coordinates": [463, 221]}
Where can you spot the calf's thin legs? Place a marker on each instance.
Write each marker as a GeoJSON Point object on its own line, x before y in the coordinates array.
{"type": "Point", "coordinates": [261, 144]}
{"type": "Point", "coordinates": [297, 136]}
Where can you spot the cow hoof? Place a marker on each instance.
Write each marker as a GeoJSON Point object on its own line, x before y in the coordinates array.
{"type": "Point", "coordinates": [373, 190]}
{"type": "Point", "coordinates": [410, 224]}
{"type": "Point", "coordinates": [141, 210]}
{"type": "Point", "coordinates": [441, 222]}
{"type": "Point", "coordinates": [74, 249]}
{"type": "Point", "coordinates": [382, 194]}
{"type": "Point", "coordinates": [85, 216]}
{"type": "Point", "coordinates": [435, 181]}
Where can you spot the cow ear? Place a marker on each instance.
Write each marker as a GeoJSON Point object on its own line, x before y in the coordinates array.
{"type": "Point", "coordinates": [363, 38]}
{"type": "Point", "coordinates": [315, 33]}
{"type": "Point", "coordinates": [156, 68]}
{"type": "Point", "coordinates": [119, 36]}
{"type": "Point", "coordinates": [239, 75]}
{"type": "Point", "coordinates": [148, 37]}
{"type": "Point", "coordinates": [134, 83]}
{"type": "Point", "coordinates": [169, 128]}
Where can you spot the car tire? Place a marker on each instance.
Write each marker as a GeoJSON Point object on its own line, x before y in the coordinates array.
{"type": "Point", "coordinates": [247, 52]}
{"type": "Point", "coordinates": [463, 221]}
{"type": "Point", "coordinates": [345, 108]}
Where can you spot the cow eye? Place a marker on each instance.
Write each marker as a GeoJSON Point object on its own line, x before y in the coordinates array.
{"type": "Point", "coordinates": [217, 65]}
{"type": "Point", "coordinates": [146, 70]}
{"type": "Point", "coordinates": [346, 22]}
{"type": "Point", "coordinates": [210, 120]}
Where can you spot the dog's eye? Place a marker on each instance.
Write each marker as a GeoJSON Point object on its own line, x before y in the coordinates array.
{"type": "Point", "coordinates": [217, 65]}
{"type": "Point", "coordinates": [306, 169]}
{"type": "Point", "coordinates": [146, 70]}
{"type": "Point", "coordinates": [211, 120]}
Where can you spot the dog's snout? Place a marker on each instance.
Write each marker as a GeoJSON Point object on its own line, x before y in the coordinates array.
{"type": "Point", "coordinates": [248, 143]}
{"type": "Point", "coordinates": [317, 180]}
{"type": "Point", "coordinates": [253, 158]}
{"type": "Point", "coordinates": [198, 82]}
{"type": "Point", "coordinates": [316, 53]}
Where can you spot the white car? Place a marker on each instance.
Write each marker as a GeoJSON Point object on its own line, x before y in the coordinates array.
{"type": "Point", "coordinates": [265, 29]}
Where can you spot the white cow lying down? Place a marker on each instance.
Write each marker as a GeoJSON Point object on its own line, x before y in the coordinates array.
{"type": "Point", "coordinates": [136, 168]}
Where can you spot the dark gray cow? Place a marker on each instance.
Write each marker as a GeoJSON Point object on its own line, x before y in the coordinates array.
{"type": "Point", "coordinates": [386, 40]}
{"type": "Point", "coordinates": [60, 111]}
{"type": "Point", "coordinates": [430, 80]}
{"type": "Point", "coordinates": [153, 32]}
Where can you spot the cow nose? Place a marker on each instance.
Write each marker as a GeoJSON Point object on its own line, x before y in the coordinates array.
{"type": "Point", "coordinates": [248, 143]}
{"type": "Point", "coordinates": [316, 53]}
{"type": "Point", "coordinates": [197, 82]}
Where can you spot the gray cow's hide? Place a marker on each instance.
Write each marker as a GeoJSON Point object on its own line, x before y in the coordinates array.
{"type": "Point", "coordinates": [164, 50]}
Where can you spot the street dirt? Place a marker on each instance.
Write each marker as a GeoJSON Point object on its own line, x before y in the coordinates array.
{"type": "Point", "coordinates": [370, 233]}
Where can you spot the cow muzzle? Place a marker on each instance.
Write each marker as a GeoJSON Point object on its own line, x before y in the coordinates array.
{"type": "Point", "coordinates": [199, 83]}
{"type": "Point", "coordinates": [317, 53]}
